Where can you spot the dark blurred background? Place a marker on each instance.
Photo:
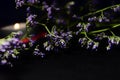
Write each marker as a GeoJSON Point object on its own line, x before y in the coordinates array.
{"type": "Point", "coordinates": [9, 14]}
{"type": "Point", "coordinates": [72, 64]}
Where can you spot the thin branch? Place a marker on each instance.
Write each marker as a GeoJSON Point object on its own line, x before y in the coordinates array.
{"type": "Point", "coordinates": [98, 11]}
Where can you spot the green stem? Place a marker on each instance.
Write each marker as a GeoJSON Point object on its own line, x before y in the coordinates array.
{"type": "Point", "coordinates": [98, 11]}
{"type": "Point", "coordinates": [47, 29]}
{"type": "Point", "coordinates": [27, 31]}
{"type": "Point", "coordinates": [112, 33]}
{"type": "Point", "coordinates": [103, 30]}
{"type": "Point", "coordinates": [87, 36]}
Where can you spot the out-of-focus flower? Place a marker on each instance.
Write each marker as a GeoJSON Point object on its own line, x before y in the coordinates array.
{"type": "Point", "coordinates": [95, 46]}
{"type": "Point", "coordinates": [37, 51]}
{"type": "Point", "coordinates": [9, 47]}
{"type": "Point", "coordinates": [31, 20]}
{"type": "Point", "coordinates": [116, 9]}
{"type": "Point", "coordinates": [90, 19]}
{"type": "Point", "coordinates": [103, 19]}
{"type": "Point", "coordinates": [98, 19]}
{"type": "Point", "coordinates": [33, 1]}
{"type": "Point", "coordinates": [4, 61]}
{"type": "Point", "coordinates": [60, 40]}
{"type": "Point", "coordinates": [19, 3]}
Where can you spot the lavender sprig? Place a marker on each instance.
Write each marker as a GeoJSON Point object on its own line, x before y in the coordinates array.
{"type": "Point", "coordinates": [61, 25]}
{"type": "Point", "coordinates": [10, 47]}
{"type": "Point", "coordinates": [59, 40]}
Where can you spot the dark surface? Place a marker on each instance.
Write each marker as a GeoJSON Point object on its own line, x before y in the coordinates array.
{"type": "Point", "coordinates": [65, 66]}
{"type": "Point", "coordinates": [68, 65]}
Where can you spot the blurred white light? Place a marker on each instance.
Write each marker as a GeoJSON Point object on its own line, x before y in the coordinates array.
{"type": "Point", "coordinates": [16, 26]}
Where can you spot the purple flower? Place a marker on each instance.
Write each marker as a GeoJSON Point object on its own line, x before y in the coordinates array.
{"type": "Point", "coordinates": [9, 46]}
{"type": "Point", "coordinates": [79, 25]}
{"type": "Point", "coordinates": [49, 10]}
{"type": "Point", "coordinates": [109, 46]}
{"type": "Point", "coordinates": [113, 40]}
{"type": "Point", "coordinates": [31, 20]}
{"type": "Point", "coordinates": [33, 1]}
{"type": "Point", "coordinates": [92, 19]}
{"type": "Point", "coordinates": [2, 49]}
{"type": "Point", "coordinates": [103, 19]}
{"type": "Point", "coordinates": [48, 45]}
{"type": "Point", "coordinates": [116, 9]}
{"type": "Point", "coordinates": [87, 26]}
{"type": "Point", "coordinates": [95, 46]}
{"type": "Point", "coordinates": [83, 41]}
{"type": "Point", "coordinates": [38, 52]}
{"type": "Point", "coordinates": [19, 3]}
{"type": "Point", "coordinates": [4, 61]}
{"type": "Point", "coordinates": [28, 10]}
{"type": "Point", "coordinates": [100, 36]}
{"type": "Point", "coordinates": [60, 40]}
{"type": "Point", "coordinates": [90, 44]}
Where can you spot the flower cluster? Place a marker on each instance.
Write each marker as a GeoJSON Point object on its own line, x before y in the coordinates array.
{"type": "Point", "coordinates": [59, 40]}
{"type": "Point", "coordinates": [38, 52]}
{"type": "Point", "coordinates": [82, 27]}
{"type": "Point", "coordinates": [49, 9]}
{"type": "Point", "coordinates": [99, 19]}
{"type": "Point", "coordinates": [116, 9]}
{"type": "Point", "coordinates": [61, 25]}
{"type": "Point", "coordinates": [89, 43]}
{"type": "Point", "coordinates": [10, 46]}
{"type": "Point", "coordinates": [112, 40]}
{"type": "Point", "coordinates": [20, 3]}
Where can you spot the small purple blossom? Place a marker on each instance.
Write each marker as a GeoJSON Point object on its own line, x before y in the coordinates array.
{"type": "Point", "coordinates": [79, 25]}
{"type": "Point", "coordinates": [109, 46]}
{"type": "Point", "coordinates": [99, 19]}
{"type": "Point", "coordinates": [90, 44]}
{"type": "Point", "coordinates": [4, 61]}
{"type": "Point", "coordinates": [86, 26]}
{"type": "Point", "coordinates": [113, 40]}
{"type": "Point", "coordinates": [82, 41]}
{"type": "Point", "coordinates": [90, 19]}
{"type": "Point", "coordinates": [95, 46]}
{"type": "Point", "coordinates": [49, 10]}
{"type": "Point", "coordinates": [116, 9]}
{"type": "Point", "coordinates": [31, 20]}
{"type": "Point", "coordinates": [38, 52]}
{"type": "Point", "coordinates": [100, 36]}
{"type": "Point", "coordinates": [33, 1]}
{"type": "Point", "coordinates": [28, 10]}
{"type": "Point", "coordinates": [19, 3]}
{"type": "Point", "coordinates": [103, 19]}
{"type": "Point", "coordinates": [47, 45]}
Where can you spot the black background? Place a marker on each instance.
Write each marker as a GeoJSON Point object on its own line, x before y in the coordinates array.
{"type": "Point", "coordinates": [9, 14]}
{"type": "Point", "coordinates": [73, 64]}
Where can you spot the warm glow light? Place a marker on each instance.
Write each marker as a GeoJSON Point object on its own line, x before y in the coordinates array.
{"type": "Point", "coordinates": [17, 26]}
{"type": "Point", "coordinates": [14, 27]}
